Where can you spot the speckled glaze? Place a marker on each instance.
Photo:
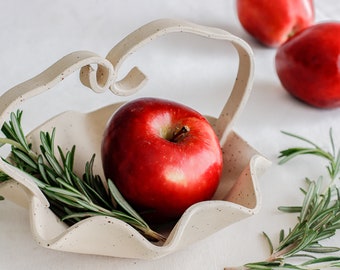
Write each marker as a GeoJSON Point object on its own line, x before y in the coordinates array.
{"type": "Point", "coordinates": [236, 198]}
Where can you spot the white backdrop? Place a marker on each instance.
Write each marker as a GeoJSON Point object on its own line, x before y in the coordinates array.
{"type": "Point", "coordinates": [34, 34]}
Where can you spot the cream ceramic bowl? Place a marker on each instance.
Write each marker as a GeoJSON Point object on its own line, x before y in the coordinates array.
{"type": "Point", "coordinates": [237, 196]}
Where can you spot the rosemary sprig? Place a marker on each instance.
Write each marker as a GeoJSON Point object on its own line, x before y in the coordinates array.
{"type": "Point", "coordinates": [71, 197]}
{"type": "Point", "coordinates": [318, 217]}
{"type": "Point", "coordinates": [332, 157]}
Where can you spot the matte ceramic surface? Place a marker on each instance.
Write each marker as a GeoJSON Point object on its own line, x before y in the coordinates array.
{"type": "Point", "coordinates": [237, 196]}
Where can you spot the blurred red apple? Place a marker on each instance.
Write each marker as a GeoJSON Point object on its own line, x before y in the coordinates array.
{"type": "Point", "coordinates": [308, 65]}
{"type": "Point", "coordinates": [272, 22]}
{"type": "Point", "coordinates": [162, 156]}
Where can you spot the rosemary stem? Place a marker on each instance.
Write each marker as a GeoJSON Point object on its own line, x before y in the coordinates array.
{"type": "Point", "coordinates": [279, 253]}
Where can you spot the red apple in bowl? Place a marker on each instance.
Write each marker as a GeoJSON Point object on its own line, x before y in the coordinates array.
{"type": "Point", "coordinates": [162, 156]}
{"type": "Point", "coordinates": [308, 65]}
{"type": "Point", "coordinates": [272, 22]}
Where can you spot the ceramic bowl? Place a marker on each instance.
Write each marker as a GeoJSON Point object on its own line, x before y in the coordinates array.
{"type": "Point", "coordinates": [236, 198]}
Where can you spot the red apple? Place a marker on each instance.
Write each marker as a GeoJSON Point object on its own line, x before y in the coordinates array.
{"type": "Point", "coordinates": [272, 22]}
{"type": "Point", "coordinates": [162, 156]}
{"type": "Point", "coordinates": [308, 65]}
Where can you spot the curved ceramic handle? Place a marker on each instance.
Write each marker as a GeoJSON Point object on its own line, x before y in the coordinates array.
{"type": "Point", "coordinates": [136, 78]}
{"type": "Point", "coordinates": [106, 77]}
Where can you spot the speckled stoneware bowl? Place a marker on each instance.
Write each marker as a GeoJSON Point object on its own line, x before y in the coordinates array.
{"type": "Point", "coordinates": [237, 196]}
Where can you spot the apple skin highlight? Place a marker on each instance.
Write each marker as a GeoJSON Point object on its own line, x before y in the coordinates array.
{"type": "Point", "coordinates": [160, 168]}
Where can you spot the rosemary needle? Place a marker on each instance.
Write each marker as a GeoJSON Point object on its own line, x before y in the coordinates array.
{"type": "Point", "coordinates": [71, 197]}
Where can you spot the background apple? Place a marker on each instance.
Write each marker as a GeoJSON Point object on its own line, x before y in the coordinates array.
{"type": "Point", "coordinates": [308, 65]}
{"type": "Point", "coordinates": [162, 156]}
{"type": "Point", "coordinates": [272, 22]}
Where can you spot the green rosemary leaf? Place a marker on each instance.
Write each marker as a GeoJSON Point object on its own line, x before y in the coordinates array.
{"type": "Point", "coordinates": [321, 249]}
{"type": "Point", "coordinates": [303, 255]}
{"type": "Point", "coordinates": [88, 205]}
{"type": "Point", "coordinates": [79, 185]}
{"type": "Point", "coordinates": [42, 170]}
{"type": "Point", "coordinates": [322, 260]}
{"type": "Point", "coordinates": [334, 227]}
{"type": "Point", "coordinates": [66, 200]}
{"type": "Point", "coordinates": [61, 155]}
{"type": "Point", "coordinates": [51, 175]}
{"type": "Point", "coordinates": [67, 175]}
{"type": "Point", "coordinates": [100, 187]}
{"type": "Point", "coordinates": [70, 188]}
{"type": "Point", "coordinates": [64, 192]}
{"type": "Point", "coordinates": [98, 198]}
{"type": "Point", "coordinates": [301, 138]}
{"type": "Point", "coordinates": [271, 248]}
{"type": "Point", "coordinates": [89, 176]}
{"type": "Point", "coordinates": [336, 165]}
{"type": "Point", "coordinates": [330, 134]}
{"type": "Point", "coordinates": [47, 142]}
{"type": "Point", "coordinates": [290, 209]}
{"type": "Point", "coordinates": [19, 135]}
{"type": "Point", "coordinates": [294, 152]}
{"type": "Point", "coordinates": [281, 237]}
{"type": "Point", "coordinates": [307, 201]}
{"type": "Point", "coordinates": [327, 199]}
{"type": "Point", "coordinates": [8, 132]}
{"type": "Point", "coordinates": [323, 235]}
{"type": "Point", "coordinates": [54, 164]}
{"type": "Point", "coordinates": [303, 190]}
{"type": "Point", "coordinates": [80, 215]}
{"type": "Point", "coordinates": [123, 203]}
{"type": "Point", "coordinates": [319, 216]}
{"type": "Point", "coordinates": [64, 212]}
{"type": "Point", "coordinates": [96, 186]}
{"type": "Point", "coordinates": [69, 158]}
{"type": "Point", "coordinates": [25, 158]}
{"type": "Point", "coordinates": [270, 266]}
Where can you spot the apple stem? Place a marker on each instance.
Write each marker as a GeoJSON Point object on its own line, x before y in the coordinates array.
{"type": "Point", "coordinates": [180, 134]}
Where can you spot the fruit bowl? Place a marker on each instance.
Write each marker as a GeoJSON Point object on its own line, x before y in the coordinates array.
{"type": "Point", "coordinates": [236, 198]}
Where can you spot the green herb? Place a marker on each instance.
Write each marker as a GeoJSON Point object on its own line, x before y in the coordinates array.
{"type": "Point", "coordinates": [71, 197]}
{"type": "Point", "coordinates": [3, 178]}
{"type": "Point", "coordinates": [318, 217]}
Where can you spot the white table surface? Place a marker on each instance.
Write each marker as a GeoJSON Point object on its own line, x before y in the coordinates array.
{"type": "Point", "coordinates": [34, 34]}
